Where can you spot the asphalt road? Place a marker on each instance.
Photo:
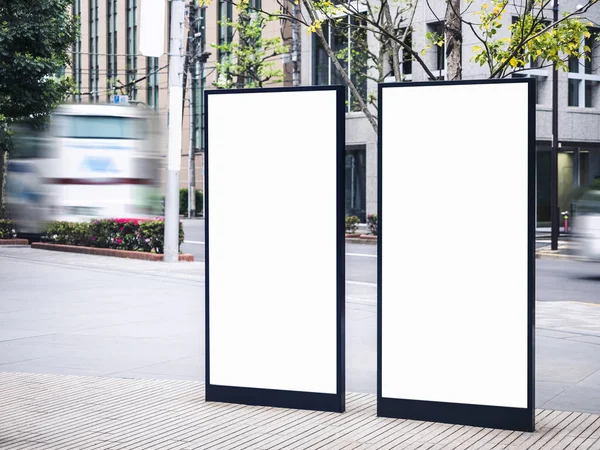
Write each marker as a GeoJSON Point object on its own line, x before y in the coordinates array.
{"type": "Point", "coordinates": [555, 280]}
{"type": "Point", "coordinates": [193, 243]}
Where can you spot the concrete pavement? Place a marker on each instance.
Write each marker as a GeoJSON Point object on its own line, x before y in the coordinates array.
{"type": "Point", "coordinates": [90, 315]}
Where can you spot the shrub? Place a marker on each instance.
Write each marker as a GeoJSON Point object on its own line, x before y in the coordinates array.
{"type": "Point", "coordinates": [69, 233]}
{"type": "Point", "coordinates": [120, 234]}
{"type": "Point", "coordinates": [6, 229]}
{"type": "Point", "coordinates": [352, 224]}
{"type": "Point", "coordinates": [373, 224]}
{"type": "Point", "coordinates": [183, 201]}
{"type": "Point", "coordinates": [152, 235]}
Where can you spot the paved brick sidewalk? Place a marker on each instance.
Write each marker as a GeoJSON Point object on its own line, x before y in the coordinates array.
{"type": "Point", "coordinates": [69, 412]}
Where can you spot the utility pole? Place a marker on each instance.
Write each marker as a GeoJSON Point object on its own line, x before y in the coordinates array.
{"type": "Point", "coordinates": [192, 55]}
{"type": "Point", "coordinates": [175, 120]}
{"type": "Point", "coordinates": [201, 63]}
{"type": "Point", "coordinates": [554, 208]}
{"type": "Point", "coordinates": [295, 45]}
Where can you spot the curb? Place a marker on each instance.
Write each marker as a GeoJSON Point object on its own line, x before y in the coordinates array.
{"type": "Point", "coordinates": [556, 256]}
{"type": "Point", "coordinates": [107, 252]}
{"type": "Point", "coordinates": [361, 239]}
{"type": "Point", "coordinates": [14, 242]}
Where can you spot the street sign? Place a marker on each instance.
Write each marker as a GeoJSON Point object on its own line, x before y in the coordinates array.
{"type": "Point", "coordinates": [152, 27]}
{"type": "Point", "coordinates": [121, 99]}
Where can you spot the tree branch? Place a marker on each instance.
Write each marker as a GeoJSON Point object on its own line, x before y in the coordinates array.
{"type": "Point", "coordinates": [503, 65]}
{"type": "Point", "coordinates": [365, 109]}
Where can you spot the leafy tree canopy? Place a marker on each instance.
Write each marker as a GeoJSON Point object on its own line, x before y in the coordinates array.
{"type": "Point", "coordinates": [248, 59]}
{"type": "Point", "coordinates": [35, 37]}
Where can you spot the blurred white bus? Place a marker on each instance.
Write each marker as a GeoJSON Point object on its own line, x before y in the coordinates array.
{"type": "Point", "coordinates": [95, 161]}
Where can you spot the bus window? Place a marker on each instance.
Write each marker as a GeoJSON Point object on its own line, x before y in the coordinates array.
{"type": "Point", "coordinates": [100, 127]}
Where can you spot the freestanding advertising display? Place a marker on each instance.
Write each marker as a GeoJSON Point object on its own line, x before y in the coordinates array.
{"type": "Point", "coordinates": [456, 252]}
{"type": "Point", "coordinates": [275, 296]}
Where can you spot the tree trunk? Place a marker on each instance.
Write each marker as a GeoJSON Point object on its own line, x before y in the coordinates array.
{"type": "Point", "coordinates": [453, 26]}
{"type": "Point", "coordinates": [188, 53]}
{"type": "Point", "coordinates": [3, 164]}
{"type": "Point", "coordinates": [244, 21]}
{"type": "Point", "coordinates": [394, 44]}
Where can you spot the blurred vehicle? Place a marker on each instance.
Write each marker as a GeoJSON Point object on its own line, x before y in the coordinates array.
{"type": "Point", "coordinates": [585, 225]}
{"type": "Point", "coordinates": [92, 161]}
{"type": "Point", "coordinates": [26, 196]}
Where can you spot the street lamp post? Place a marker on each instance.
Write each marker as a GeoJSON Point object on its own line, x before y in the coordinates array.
{"type": "Point", "coordinates": [554, 208]}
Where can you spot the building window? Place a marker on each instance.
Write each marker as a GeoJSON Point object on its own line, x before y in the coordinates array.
{"type": "Point", "coordinates": [321, 65]}
{"type": "Point", "coordinates": [348, 39]}
{"type": "Point", "coordinates": [225, 33]}
{"type": "Point", "coordinates": [153, 88]}
{"type": "Point", "coordinates": [111, 47]}
{"type": "Point", "coordinates": [582, 83]}
{"type": "Point", "coordinates": [94, 76]}
{"type": "Point", "coordinates": [436, 30]}
{"type": "Point", "coordinates": [539, 80]}
{"type": "Point", "coordinates": [132, 48]}
{"type": "Point", "coordinates": [532, 70]}
{"type": "Point", "coordinates": [404, 57]}
{"type": "Point", "coordinates": [356, 177]}
{"type": "Point", "coordinates": [77, 54]}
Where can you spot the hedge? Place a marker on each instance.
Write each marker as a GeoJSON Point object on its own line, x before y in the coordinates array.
{"type": "Point", "coordinates": [352, 224]}
{"type": "Point", "coordinates": [183, 202]}
{"type": "Point", "coordinates": [373, 224]}
{"type": "Point", "coordinates": [6, 229]}
{"type": "Point", "coordinates": [120, 234]}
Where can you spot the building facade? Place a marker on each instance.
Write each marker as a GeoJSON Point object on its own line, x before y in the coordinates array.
{"type": "Point", "coordinates": [106, 62]}
{"type": "Point", "coordinates": [578, 112]}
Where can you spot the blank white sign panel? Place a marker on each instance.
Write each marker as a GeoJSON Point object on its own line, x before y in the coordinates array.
{"type": "Point", "coordinates": [454, 244]}
{"type": "Point", "coordinates": [272, 290]}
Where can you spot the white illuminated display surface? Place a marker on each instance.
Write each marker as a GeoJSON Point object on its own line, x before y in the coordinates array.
{"type": "Point", "coordinates": [454, 244]}
{"type": "Point", "coordinates": [273, 276]}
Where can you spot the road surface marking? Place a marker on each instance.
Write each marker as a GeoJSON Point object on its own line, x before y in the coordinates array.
{"type": "Point", "coordinates": [361, 283]}
{"type": "Point", "coordinates": [347, 254]}
{"type": "Point", "coordinates": [583, 303]}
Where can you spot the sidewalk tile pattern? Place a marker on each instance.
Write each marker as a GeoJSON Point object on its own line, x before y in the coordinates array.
{"type": "Point", "coordinates": [40, 411]}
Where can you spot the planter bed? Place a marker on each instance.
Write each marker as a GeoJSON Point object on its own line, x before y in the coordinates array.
{"type": "Point", "coordinates": [107, 252]}
{"type": "Point", "coordinates": [14, 242]}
